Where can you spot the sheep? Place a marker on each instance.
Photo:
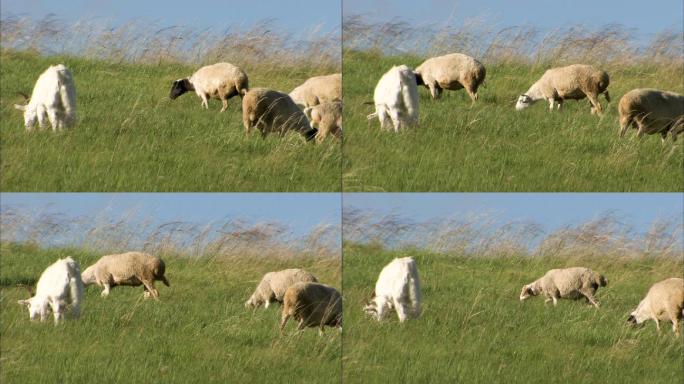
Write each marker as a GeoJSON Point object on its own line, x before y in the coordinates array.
{"type": "Point", "coordinates": [573, 82]}
{"type": "Point", "coordinates": [453, 71]}
{"type": "Point", "coordinates": [54, 96]}
{"type": "Point", "coordinates": [327, 118]}
{"type": "Point", "coordinates": [59, 285]}
{"type": "Point", "coordinates": [220, 81]}
{"type": "Point", "coordinates": [273, 111]}
{"type": "Point", "coordinates": [569, 283]}
{"type": "Point", "coordinates": [664, 301]}
{"type": "Point", "coordinates": [396, 99]}
{"type": "Point", "coordinates": [131, 268]}
{"type": "Point", "coordinates": [652, 111]}
{"type": "Point", "coordinates": [273, 285]}
{"type": "Point", "coordinates": [318, 90]}
{"type": "Point", "coordinates": [398, 287]}
{"type": "Point", "coordinates": [313, 305]}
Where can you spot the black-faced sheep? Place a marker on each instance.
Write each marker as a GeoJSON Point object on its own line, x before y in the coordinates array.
{"type": "Point", "coordinates": [453, 72]}
{"type": "Point", "coordinates": [220, 81]}
{"type": "Point", "coordinates": [312, 305]}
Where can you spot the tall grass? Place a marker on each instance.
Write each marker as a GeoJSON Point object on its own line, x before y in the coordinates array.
{"type": "Point", "coordinates": [199, 331]}
{"type": "Point", "coordinates": [129, 136]}
{"type": "Point", "coordinates": [489, 146]}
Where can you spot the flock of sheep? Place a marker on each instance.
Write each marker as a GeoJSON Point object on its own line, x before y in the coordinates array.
{"type": "Point", "coordinates": [648, 110]}
{"type": "Point", "coordinates": [313, 304]}
{"type": "Point", "coordinates": [313, 109]}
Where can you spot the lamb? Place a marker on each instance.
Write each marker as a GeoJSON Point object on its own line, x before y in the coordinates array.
{"type": "Point", "coordinates": [131, 268]}
{"type": "Point", "coordinates": [273, 285]}
{"type": "Point", "coordinates": [313, 305]}
{"type": "Point", "coordinates": [396, 99]}
{"type": "Point", "coordinates": [664, 301]}
{"type": "Point", "coordinates": [453, 71]}
{"type": "Point", "coordinates": [220, 81]}
{"type": "Point", "coordinates": [398, 287]}
{"type": "Point", "coordinates": [318, 90]}
{"type": "Point", "coordinates": [59, 285]}
{"type": "Point", "coordinates": [54, 96]}
{"type": "Point", "coordinates": [327, 118]}
{"type": "Point", "coordinates": [273, 111]}
{"type": "Point", "coordinates": [569, 283]}
{"type": "Point", "coordinates": [573, 82]}
{"type": "Point", "coordinates": [652, 111]}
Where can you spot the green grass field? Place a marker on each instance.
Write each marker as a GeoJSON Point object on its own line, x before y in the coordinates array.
{"type": "Point", "coordinates": [491, 147]}
{"type": "Point", "coordinates": [474, 329]}
{"type": "Point", "coordinates": [199, 332]}
{"type": "Point", "coordinates": [131, 137]}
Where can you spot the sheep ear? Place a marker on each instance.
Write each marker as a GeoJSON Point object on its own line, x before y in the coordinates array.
{"type": "Point", "coordinates": [20, 107]}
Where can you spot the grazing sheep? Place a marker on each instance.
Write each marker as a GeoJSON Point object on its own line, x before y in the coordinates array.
{"type": "Point", "coordinates": [652, 111]}
{"type": "Point", "coordinates": [313, 305]}
{"type": "Point", "coordinates": [398, 287]}
{"type": "Point", "coordinates": [54, 97]}
{"type": "Point", "coordinates": [327, 118]}
{"type": "Point", "coordinates": [131, 268]}
{"type": "Point", "coordinates": [664, 301]}
{"type": "Point", "coordinates": [273, 285]}
{"type": "Point", "coordinates": [453, 71]}
{"type": "Point", "coordinates": [59, 285]}
{"type": "Point", "coordinates": [220, 81]}
{"type": "Point", "coordinates": [396, 99]}
{"type": "Point", "coordinates": [273, 111]}
{"type": "Point", "coordinates": [573, 82]}
{"type": "Point", "coordinates": [318, 90]}
{"type": "Point", "coordinates": [569, 283]}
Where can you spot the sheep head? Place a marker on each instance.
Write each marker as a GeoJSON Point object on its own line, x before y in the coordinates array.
{"type": "Point", "coordinates": [179, 87]}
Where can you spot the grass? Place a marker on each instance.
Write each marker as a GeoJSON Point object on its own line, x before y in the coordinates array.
{"type": "Point", "coordinates": [491, 147]}
{"type": "Point", "coordinates": [198, 332]}
{"type": "Point", "coordinates": [474, 329]}
{"type": "Point", "coordinates": [131, 137]}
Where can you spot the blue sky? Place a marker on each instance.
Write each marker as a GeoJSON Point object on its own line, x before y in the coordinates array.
{"type": "Point", "coordinates": [301, 211]}
{"type": "Point", "coordinates": [551, 210]}
{"type": "Point", "coordinates": [646, 16]}
{"type": "Point", "coordinates": [294, 16]}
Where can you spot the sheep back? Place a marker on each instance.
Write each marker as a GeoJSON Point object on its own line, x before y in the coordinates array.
{"type": "Point", "coordinates": [273, 111]}
{"type": "Point", "coordinates": [453, 71]}
{"type": "Point", "coordinates": [221, 79]}
{"type": "Point", "coordinates": [573, 82]}
{"type": "Point", "coordinates": [317, 90]}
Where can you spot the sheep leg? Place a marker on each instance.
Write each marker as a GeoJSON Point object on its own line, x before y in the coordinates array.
{"type": "Point", "coordinates": [547, 300]}
{"type": "Point", "coordinates": [396, 120]}
{"type": "Point", "coordinates": [149, 286]}
{"type": "Point", "coordinates": [41, 115]}
{"type": "Point", "coordinates": [675, 322]}
{"type": "Point", "coordinates": [555, 300]}
{"type": "Point", "coordinates": [551, 104]}
{"type": "Point", "coordinates": [560, 103]}
{"type": "Point", "coordinates": [54, 120]}
{"type": "Point", "coordinates": [225, 104]}
{"type": "Point", "coordinates": [205, 103]}
{"type": "Point", "coordinates": [625, 122]}
{"type": "Point", "coordinates": [105, 291]}
{"type": "Point", "coordinates": [433, 91]}
{"type": "Point", "coordinates": [283, 320]}
{"type": "Point", "coordinates": [472, 94]}
{"type": "Point", "coordinates": [590, 299]}
{"type": "Point", "coordinates": [596, 106]}
{"type": "Point", "coordinates": [401, 310]}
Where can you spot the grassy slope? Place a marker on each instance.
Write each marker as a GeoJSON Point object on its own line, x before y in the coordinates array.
{"type": "Point", "coordinates": [198, 332]}
{"type": "Point", "coordinates": [490, 147]}
{"type": "Point", "coordinates": [131, 137]}
{"type": "Point", "coordinates": [475, 330]}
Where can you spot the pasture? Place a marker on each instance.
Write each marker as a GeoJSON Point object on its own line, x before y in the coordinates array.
{"type": "Point", "coordinates": [490, 147]}
{"type": "Point", "coordinates": [474, 329]}
{"type": "Point", "coordinates": [199, 331]}
{"type": "Point", "coordinates": [129, 136]}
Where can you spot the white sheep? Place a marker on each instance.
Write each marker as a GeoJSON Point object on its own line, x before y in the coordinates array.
{"type": "Point", "coordinates": [327, 118]}
{"type": "Point", "coordinates": [396, 99]}
{"type": "Point", "coordinates": [272, 111]}
{"type": "Point", "coordinates": [398, 288]}
{"type": "Point", "coordinates": [220, 81]}
{"type": "Point", "coordinates": [59, 285]}
{"type": "Point", "coordinates": [574, 82]}
{"type": "Point", "coordinates": [652, 111]}
{"type": "Point", "coordinates": [313, 305]}
{"type": "Point", "coordinates": [568, 283]}
{"type": "Point", "coordinates": [664, 301]}
{"type": "Point", "coordinates": [54, 97]}
{"type": "Point", "coordinates": [273, 285]}
{"type": "Point", "coordinates": [453, 71]}
{"type": "Point", "coordinates": [131, 268]}
{"type": "Point", "coordinates": [317, 90]}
